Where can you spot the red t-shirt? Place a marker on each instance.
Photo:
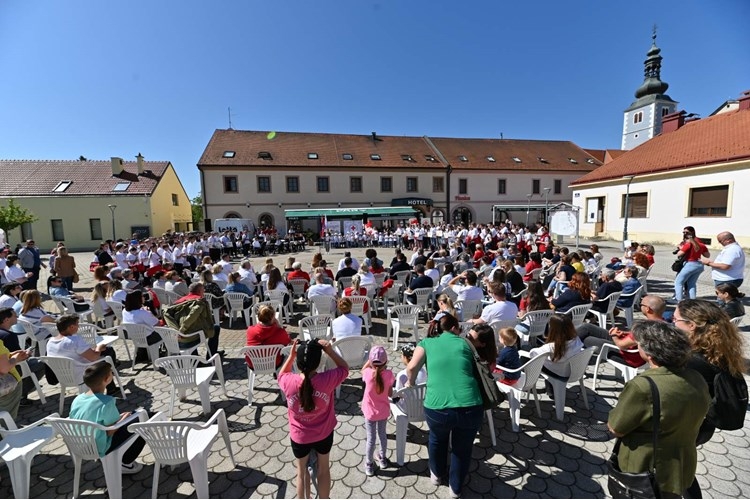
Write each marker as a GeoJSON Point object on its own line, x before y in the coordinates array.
{"type": "Point", "coordinates": [691, 254]}
{"type": "Point", "coordinates": [261, 334]}
{"type": "Point", "coordinates": [348, 292]}
{"type": "Point", "coordinates": [530, 266]}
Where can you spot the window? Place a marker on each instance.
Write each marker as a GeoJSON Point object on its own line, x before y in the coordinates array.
{"type": "Point", "coordinates": [62, 186]}
{"type": "Point", "coordinates": [535, 186]}
{"type": "Point", "coordinates": [558, 186]}
{"type": "Point", "coordinates": [437, 184]}
{"type": "Point", "coordinates": [375, 157]}
{"type": "Point", "coordinates": [265, 155]}
{"type": "Point", "coordinates": [638, 117]}
{"type": "Point", "coordinates": [637, 205]}
{"type": "Point", "coordinates": [407, 158]}
{"type": "Point", "coordinates": [709, 201]}
{"type": "Point", "coordinates": [386, 184]}
{"type": "Point", "coordinates": [542, 159]}
{"type": "Point", "coordinates": [491, 158]}
{"type": "Point", "coordinates": [429, 158]}
{"type": "Point", "coordinates": [230, 184]}
{"type": "Point", "coordinates": [355, 184]}
{"type": "Point", "coordinates": [57, 230]}
{"type": "Point", "coordinates": [95, 228]}
{"type": "Point", "coordinates": [26, 232]}
{"type": "Point", "coordinates": [502, 186]}
{"type": "Point", "coordinates": [312, 156]}
{"type": "Point", "coordinates": [347, 156]}
{"type": "Point", "coordinates": [463, 158]}
{"type": "Point", "coordinates": [323, 185]}
{"type": "Point", "coordinates": [228, 154]}
{"type": "Point", "coordinates": [264, 184]}
{"type": "Point", "coordinates": [590, 160]}
{"type": "Point", "coordinates": [411, 185]}
{"type": "Point", "coordinates": [573, 161]}
{"type": "Point", "coordinates": [516, 159]}
{"type": "Point", "coordinates": [463, 186]}
{"type": "Point", "coordinates": [292, 184]}
{"type": "Point", "coordinates": [664, 111]}
{"type": "Point", "coordinates": [175, 200]}
{"type": "Point", "coordinates": [121, 186]}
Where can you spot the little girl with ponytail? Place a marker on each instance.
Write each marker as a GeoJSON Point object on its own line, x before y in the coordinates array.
{"type": "Point", "coordinates": [378, 381]}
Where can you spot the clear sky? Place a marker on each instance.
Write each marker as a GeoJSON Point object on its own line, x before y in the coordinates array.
{"type": "Point", "coordinates": [103, 78]}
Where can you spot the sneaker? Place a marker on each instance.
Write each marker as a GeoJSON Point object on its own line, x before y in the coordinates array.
{"type": "Point", "coordinates": [369, 469]}
{"type": "Point", "coordinates": [435, 480]}
{"type": "Point", "coordinates": [384, 463]}
{"type": "Point", "coordinates": [132, 468]}
{"type": "Point", "coordinates": [454, 494]}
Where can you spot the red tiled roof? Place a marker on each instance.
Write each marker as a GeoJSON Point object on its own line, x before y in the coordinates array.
{"type": "Point", "coordinates": [40, 177]}
{"type": "Point", "coordinates": [720, 138]}
{"type": "Point", "coordinates": [597, 153]}
{"type": "Point", "coordinates": [292, 148]}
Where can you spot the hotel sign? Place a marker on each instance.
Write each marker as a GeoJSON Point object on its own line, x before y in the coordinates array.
{"type": "Point", "coordinates": [408, 202]}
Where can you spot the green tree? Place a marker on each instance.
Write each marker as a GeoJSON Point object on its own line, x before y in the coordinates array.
{"type": "Point", "coordinates": [12, 216]}
{"type": "Point", "coordinates": [196, 205]}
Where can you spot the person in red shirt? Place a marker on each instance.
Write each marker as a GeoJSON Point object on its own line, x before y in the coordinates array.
{"type": "Point", "coordinates": [195, 292]}
{"type": "Point", "coordinates": [267, 332]}
{"type": "Point", "coordinates": [542, 241]}
{"type": "Point", "coordinates": [298, 273]}
{"type": "Point", "coordinates": [478, 254]}
{"type": "Point", "coordinates": [535, 262]}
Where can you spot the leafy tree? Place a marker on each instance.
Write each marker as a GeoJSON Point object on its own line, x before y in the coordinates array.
{"type": "Point", "coordinates": [196, 205]}
{"type": "Point", "coordinates": [13, 216]}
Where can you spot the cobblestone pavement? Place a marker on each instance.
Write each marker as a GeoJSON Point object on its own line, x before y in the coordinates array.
{"type": "Point", "coordinates": [546, 459]}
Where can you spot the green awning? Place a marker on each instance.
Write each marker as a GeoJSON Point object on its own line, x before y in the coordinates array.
{"type": "Point", "coordinates": [344, 213]}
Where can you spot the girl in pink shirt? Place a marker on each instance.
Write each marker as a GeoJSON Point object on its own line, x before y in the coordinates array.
{"type": "Point", "coordinates": [376, 406]}
{"type": "Point", "coordinates": [310, 405]}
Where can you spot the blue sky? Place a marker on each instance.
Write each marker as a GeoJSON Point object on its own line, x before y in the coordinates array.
{"type": "Point", "coordinates": [100, 79]}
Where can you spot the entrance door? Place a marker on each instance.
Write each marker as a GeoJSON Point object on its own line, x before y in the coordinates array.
{"type": "Point", "coordinates": [595, 213]}
{"type": "Point", "coordinates": [462, 215]}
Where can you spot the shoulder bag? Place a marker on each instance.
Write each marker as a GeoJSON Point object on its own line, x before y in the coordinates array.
{"type": "Point", "coordinates": [642, 484]}
{"type": "Point", "coordinates": [8, 384]}
{"type": "Point", "coordinates": [491, 395]}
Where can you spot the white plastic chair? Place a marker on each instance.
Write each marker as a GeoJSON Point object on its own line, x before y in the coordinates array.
{"type": "Point", "coordinates": [69, 308]}
{"type": "Point", "coordinates": [578, 364]}
{"type": "Point", "coordinates": [79, 437]}
{"type": "Point", "coordinates": [235, 303]}
{"type": "Point", "coordinates": [469, 308]}
{"type": "Point", "coordinates": [422, 296]}
{"type": "Point", "coordinates": [354, 350]}
{"type": "Point", "coordinates": [216, 311]}
{"type": "Point", "coordinates": [19, 447]}
{"type": "Point", "coordinates": [273, 303]}
{"type": "Point", "coordinates": [27, 373]}
{"type": "Point", "coordinates": [278, 296]}
{"type": "Point", "coordinates": [358, 309]}
{"type": "Point", "coordinates": [391, 296]}
{"type": "Point", "coordinates": [602, 317]}
{"type": "Point", "coordinates": [409, 409]}
{"type": "Point", "coordinates": [263, 358]}
{"type": "Point", "coordinates": [344, 282]}
{"type": "Point", "coordinates": [186, 372]}
{"type": "Point", "coordinates": [138, 334]}
{"type": "Point", "coordinates": [117, 308]}
{"type": "Point", "coordinates": [737, 321]}
{"type": "Point", "coordinates": [299, 290]}
{"type": "Point", "coordinates": [629, 310]}
{"type": "Point", "coordinates": [578, 313]}
{"type": "Point", "coordinates": [322, 304]}
{"type": "Point", "coordinates": [500, 324]}
{"type": "Point", "coordinates": [537, 321]}
{"type": "Point", "coordinates": [643, 279]}
{"type": "Point", "coordinates": [172, 337]}
{"type": "Point", "coordinates": [30, 333]}
{"type": "Point", "coordinates": [58, 303]}
{"type": "Point", "coordinates": [403, 317]}
{"type": "Point", "coordinates": [530, 373]}
{"type": "Point", "coordinates": [70, 374]}
{"type": "Point", "coordinates": [100, 318]}
{"type": "Point", "coordinates": [93, 335]}
{"type": "Point", "coordinates": [316, 327]}
{"type": "Point", "coordinates": [403, 277]}
{"type": "Point", "coordinates": [628, 372]}
{"type": "Point", "coordinates": [177, 442]}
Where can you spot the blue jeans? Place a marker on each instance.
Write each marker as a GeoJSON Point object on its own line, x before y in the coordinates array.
{"type": "Point", "coordinates": [459, 425]}
{"type": "Point", "coordinates": [688, 277]}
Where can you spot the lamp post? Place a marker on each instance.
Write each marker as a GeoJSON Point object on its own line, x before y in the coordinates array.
{"type": "Point", "coordinates": [546, 205]}
{"type": "Point", "coordinates": [112, 209]}
{"type": "Point", "coordinates": [528, 208]}
{"type": "Point", "coordinates": [627, 208]}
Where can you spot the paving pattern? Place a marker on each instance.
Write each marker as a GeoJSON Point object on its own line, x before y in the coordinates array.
{"type": "Point", "coordinates": [546, 459]}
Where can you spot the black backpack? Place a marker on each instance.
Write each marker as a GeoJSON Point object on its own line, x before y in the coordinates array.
{"type": "Point", "coordinates": [729, 405]}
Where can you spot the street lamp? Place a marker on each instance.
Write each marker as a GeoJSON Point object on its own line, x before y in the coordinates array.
{"type": "Point", "coordinates": [546, 205]}
{"type": "Point", "coordinates": [112, 209]}
{"type": "Point", "coordinates": [627, 208]}
{"type": "Point", "coordinates": [528, 208]}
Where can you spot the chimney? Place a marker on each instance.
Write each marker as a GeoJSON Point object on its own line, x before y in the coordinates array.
{"type": "Point", "coordinates": [117, 167]}
{"type": "Point", "coordinates": [745, 100]}
{"type": "Point", "coordinates": [672, 122]}
{"type": "Point", "coordinates": [374, 136]}
{"type": "Point", "coordinates": [139, 160]}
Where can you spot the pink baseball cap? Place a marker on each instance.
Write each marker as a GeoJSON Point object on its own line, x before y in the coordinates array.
{"type": "Point", "coordinates": [378, 356]}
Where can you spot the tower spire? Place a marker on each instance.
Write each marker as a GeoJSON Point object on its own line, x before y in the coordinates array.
{"type": "Point", "coordinates": [652, 84]}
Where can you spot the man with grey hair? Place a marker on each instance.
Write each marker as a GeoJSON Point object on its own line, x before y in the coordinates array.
{"type": "Point", "coordinates": [322, 288]}
{"type": "Point", "coordinates": [729, 265]}
{"type": "Point", "coordinates": [247, 275]}
{"type": "Point", "coordinates": [609, 285]}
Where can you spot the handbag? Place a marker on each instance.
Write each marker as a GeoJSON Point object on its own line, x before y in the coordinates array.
{"type": "Point", "coordinates": [678, 264]}
{"type": "Point", "coordinates": [8, 384]}
{"type": "Point", "coordinates": [630, 484]}
{"type": "Point", "coordinates": [491, 395]}
{"type": "Point", "coordinates": [75, 276]}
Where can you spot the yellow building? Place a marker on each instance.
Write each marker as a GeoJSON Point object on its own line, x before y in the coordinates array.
{"type": "Point", "coordinates": [85, 202]}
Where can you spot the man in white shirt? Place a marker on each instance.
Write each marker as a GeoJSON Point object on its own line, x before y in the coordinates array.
{"type": "Point", "coordinates": [121, 256]}
{"type": "Point", "coordinates": [501, 310]}
{"type": "Point", "coordinates": [355, 263]}
{"type": "Point", "coordinates": [729, 265]}
{"type": "Point", "coordinates": [247, 275]}
{"type": "Point", "coordinates": [469, 290]}
{"type": "Point", "coordinates": [322, 288]}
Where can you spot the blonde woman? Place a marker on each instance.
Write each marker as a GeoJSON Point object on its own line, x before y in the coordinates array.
{"type": "Point", "coordinates": [99, 296]}
{"type": "Point", "coordinates": [32, 311]}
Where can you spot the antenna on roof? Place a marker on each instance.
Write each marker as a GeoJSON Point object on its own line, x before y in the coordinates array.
{"type": "Point", "coordinates": [229, 111]}
{"type": "Point", "coordinates": [501, 135]}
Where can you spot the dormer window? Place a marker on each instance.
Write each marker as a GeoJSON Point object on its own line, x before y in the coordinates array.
{"type": "Point", "coordinates": [375, 157]}
{"type": "Point", "coordinates": [228, 154]}
{"type": "Point", "coordinates": [573, 161]}
{"type": "Point", "coordinates": [491, 158]}
{"type": "Point", "coordinates": [590, 160]}
{"type": "Point", "coordinates": [265, 155]}
{"type": "Point", "coordinates": [312, 156]}
{"type": "Point", "coordinates": [463, 158]}
{"type": "Point", "coordinates": [62, 186]}
{"type": "Point", "coordinates": [516, 159]}
{"type": "Point", "coordinates": [429, 158]}
{"type": "Point", "coordinates": [121, 186]}
{"type": "Point", "coordinates": [542, 160]}
{"type": "Point", "coordinates": [407, 158]}
{"type": "Point", "coordinates": [347, 156]}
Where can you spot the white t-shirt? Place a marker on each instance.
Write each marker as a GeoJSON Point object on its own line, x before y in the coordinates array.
{"type": "Point", "coordinates": [468, 292]}
{"type": "Point", "coordinates": [733, 255]}
{"type": "Point", "coordinates": [71, 347]}
{"type": "Point", "coordinates": [139, 317]}
{"type": "Point", "coordinates": [346, 325]}
{"type": "Point", "coordinates": [402, 377]}
{"type": "Point", "coordinates": [499, 311]}
{"type": "Point", "coordinates": [321, 289]}
{"type": "Point", "coordinates": [559, 367]}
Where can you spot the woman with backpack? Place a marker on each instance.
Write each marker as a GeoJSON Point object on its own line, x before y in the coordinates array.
{"type": "Point", "coordinates": [717, 349]}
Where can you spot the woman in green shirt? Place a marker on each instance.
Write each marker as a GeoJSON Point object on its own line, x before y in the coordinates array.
{"type": "Point", "coordinates": [684, 402]}
{"type": "Point", "coordinates": [452, 406]}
